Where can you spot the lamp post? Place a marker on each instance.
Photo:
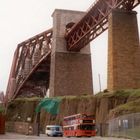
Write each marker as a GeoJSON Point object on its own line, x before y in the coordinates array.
{"type": "Point", "coordinates": [100, 88]}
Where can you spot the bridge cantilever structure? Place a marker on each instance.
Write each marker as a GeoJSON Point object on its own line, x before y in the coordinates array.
{"type": "Point", "coordinates": [95, 22]}
{"type": "Point", "coordinates": [31, 56]}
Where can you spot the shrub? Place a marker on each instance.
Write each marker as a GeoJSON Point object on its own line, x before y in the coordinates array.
{"type": "Point", "coordinates": [2, 110]}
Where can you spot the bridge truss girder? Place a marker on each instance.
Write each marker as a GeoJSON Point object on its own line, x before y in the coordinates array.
{"type": "Point", "coordinates": [95, 22]}
{"type": "Point", "coordinates": [24, 70]}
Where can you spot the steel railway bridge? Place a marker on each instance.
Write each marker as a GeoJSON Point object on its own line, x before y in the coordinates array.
{"type": "Point", "coordinates": [30, 72]}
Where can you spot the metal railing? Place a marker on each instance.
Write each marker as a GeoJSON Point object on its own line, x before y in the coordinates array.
{"type": "Point", "coordinates": [125, 126]}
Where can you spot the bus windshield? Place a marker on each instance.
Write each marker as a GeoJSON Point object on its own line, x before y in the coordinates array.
{"type": "Point", "coordinates": [87, 127]}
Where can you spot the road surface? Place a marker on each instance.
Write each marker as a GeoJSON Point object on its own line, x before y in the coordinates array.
{"type": "Point", "coordinates": [12, 136]}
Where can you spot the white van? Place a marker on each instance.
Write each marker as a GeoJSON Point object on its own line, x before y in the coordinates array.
{"type": "Point", "coordinates": [54, 130]}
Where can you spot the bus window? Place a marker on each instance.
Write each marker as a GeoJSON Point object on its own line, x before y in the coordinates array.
{"type": "Point", "coordinates": [87, 127]}
{"type": "Point", "coordinates": [78, 127]}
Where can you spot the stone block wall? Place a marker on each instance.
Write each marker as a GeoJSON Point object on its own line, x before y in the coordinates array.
{"type": "Point", "coordinates": [22, 128]}
{"type": "Point", "coordinates": [71, 72]}
{"type": "Point", "coordinates": [124, 51]}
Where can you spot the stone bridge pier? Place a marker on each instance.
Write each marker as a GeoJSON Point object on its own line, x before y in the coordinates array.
{"type": "Point", "coordinates": [70, 72]}
{"type": "Point", "coordinates": [124, 51]}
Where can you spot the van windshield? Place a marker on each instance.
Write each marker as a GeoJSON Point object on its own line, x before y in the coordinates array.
{"type": "Point", "coordinates": [54, 128]}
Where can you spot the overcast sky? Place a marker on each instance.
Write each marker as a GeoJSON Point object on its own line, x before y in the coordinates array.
{"type": "Point", "coordinates": [22, 19]}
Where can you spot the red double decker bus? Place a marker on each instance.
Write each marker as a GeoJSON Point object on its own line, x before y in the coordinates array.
{"type": "Point", "coordinates": [79, 125]}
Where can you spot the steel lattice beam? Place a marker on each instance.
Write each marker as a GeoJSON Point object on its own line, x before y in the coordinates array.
{"type": "Point", "coordinates": [88, 28]}
{"type": "Point", "coordinates": [95, 22]}
{"type": "Point", "coordinates": [26, 50]}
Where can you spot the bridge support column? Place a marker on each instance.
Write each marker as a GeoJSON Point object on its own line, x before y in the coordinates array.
{"type": "Point", "coordinates": [70, 72]}
{"type": "Point", "coordinates": [124, 51]}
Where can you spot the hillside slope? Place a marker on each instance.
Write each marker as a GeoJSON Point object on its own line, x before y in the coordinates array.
{"type": "Point", "coordinates": [103, 105]}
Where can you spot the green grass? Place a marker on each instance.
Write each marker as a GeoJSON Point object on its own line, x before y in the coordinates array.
{"type": "Point", "coordinates": [129, 107]}
{"type": "Point", "coordinates": [136, 92]}
{"type": "Point", "coordinates": [131, 96]}
{"type": "Point", "coordinates": [129, 93]}
{"type": "Point", "coordinates": [74, 97]}
{"type": "Point", "coordinates": [102, 94]}
{"type": "Point", "coordinates": [2, 109]}
{"type": "Point", "coordinates": [28, 99]}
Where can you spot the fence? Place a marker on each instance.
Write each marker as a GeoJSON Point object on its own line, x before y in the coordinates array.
{"type": "Point", "coordinates": [126, 126]}
{"type": "Point", "coordinates": [22, 128]}
{"type": "Point", "coordinates": [102, 129]}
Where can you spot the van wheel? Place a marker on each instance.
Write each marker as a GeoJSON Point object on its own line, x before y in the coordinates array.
{"type": "Point", "coordinates": [48, 135]}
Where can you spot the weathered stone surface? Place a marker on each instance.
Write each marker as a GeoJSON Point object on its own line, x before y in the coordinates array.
{"type": "Point", "coordinates": [124, 51]}
{"type": "Point", "coordinates": [70, 72]}
{"type": "Point", "coordinates": [91, 105]}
